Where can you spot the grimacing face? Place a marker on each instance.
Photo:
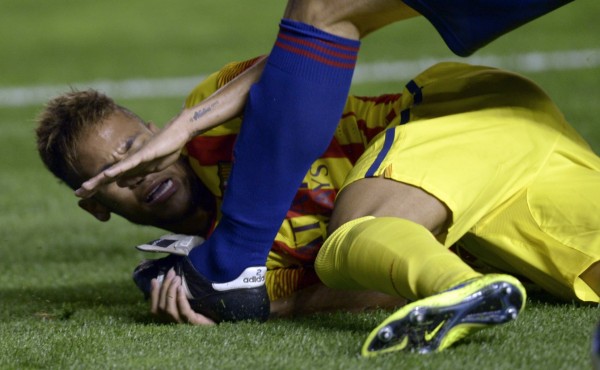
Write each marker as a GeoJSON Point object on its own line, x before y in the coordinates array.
{"type": "Point", "coordinates": [161, 199]}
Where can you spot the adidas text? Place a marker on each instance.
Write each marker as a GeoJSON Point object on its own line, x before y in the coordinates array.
{"type": "Point", "coordinates": [255, 279]}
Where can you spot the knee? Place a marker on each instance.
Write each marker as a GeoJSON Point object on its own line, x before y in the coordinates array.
{"type": "Point", "coordinates": [313, 12]}
{"type": "Point", "coordinates": [329, 16]}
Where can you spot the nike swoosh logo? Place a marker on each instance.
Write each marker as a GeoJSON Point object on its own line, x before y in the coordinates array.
{"type": "Point", "coordinates": [430, 334]}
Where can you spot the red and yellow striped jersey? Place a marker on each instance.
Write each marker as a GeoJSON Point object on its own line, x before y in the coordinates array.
{"type": "Point", "coordinates": [290, 262]}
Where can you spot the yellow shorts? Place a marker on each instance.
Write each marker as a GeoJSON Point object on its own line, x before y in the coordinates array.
{"type": "Point", "coordinates": [522, 185]}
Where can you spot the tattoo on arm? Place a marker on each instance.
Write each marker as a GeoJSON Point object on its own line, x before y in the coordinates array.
{"type": "Point", "coordinates": [202, 112]}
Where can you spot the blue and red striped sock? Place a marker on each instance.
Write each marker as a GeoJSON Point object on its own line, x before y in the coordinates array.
{"type": "Point", "coordinates": [289, 121]}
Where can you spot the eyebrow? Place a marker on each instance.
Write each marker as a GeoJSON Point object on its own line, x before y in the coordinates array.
{"type": "Point", "coordinates": [128, 144]}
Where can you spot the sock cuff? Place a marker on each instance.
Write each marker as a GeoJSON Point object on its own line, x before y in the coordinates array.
{"type": "Point", "coordinates": [313, 54]}
{"type": "Point", "coordinates": [291, 26]}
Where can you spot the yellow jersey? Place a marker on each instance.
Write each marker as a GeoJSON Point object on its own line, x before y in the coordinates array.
{"type": "Point", "coordinates": [290, 262]}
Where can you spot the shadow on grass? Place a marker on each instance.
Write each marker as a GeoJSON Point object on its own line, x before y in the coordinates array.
{"type": "Point", "coordinates": [536, 296]}
{"type": "Point", "coordinates": [367, 321]}
{"type": "Point", "coordinates": [62, 303]}
{"type": "Point", "coordinates": [122, 299]}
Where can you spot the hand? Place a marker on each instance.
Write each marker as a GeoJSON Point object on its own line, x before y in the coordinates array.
{"type": "Point", "coordinates": [168, 301]}
{"type": "Point", "coordinates": [162, 150]}
{"type": "Point", "coordinates": [165, 147]}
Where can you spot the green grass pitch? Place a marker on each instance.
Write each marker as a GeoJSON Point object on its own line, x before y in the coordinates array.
{"type": "Point", "coordinates": [66, 296]}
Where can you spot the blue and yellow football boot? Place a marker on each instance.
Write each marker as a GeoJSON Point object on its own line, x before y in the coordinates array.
{"type": "Point", "coordinates": [433, 324]}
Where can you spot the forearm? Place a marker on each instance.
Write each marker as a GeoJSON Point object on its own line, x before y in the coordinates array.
{"type": "Point", "coordinates": [223, 105]}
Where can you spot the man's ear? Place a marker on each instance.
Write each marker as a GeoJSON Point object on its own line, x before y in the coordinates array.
{"type": "Point", "coordinates": [95, 208]}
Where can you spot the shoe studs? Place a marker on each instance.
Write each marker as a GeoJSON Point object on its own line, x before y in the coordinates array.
{"type": "Point", "coordinates": [417, 316]}
{"type": "Point", "coordinates": [386, 334]}
{"type": "Point", "coordinates": [506, 289]}
{"type": "Point", "coordinates": [512, 312]}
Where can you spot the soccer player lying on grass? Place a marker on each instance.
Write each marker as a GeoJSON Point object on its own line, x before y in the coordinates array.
{"type": "Point", "coordinates": [310, 65]}
{"type": "Point", "coordinates": [466, 157]}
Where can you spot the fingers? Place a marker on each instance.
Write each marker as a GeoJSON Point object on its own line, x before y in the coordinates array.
{"type": "Point", "coordinates": [167, 304]}
{"type": "Point", "coordinates": [126, 172]}
{"type": "Point", "coordinates": [171, 309]}
{"type": "Point", "coordinates": [130, 182]}
{"type": "Point", "coordinates": [170, 303]}
{"type": "Point", "coordinates": [91, 186]}
{"type": "Point", "coordinates": [156, 155]}
{"type": "Point", "coordinates": [186, 312]}
{"type": "Point", "coordinates": [154, 296]}
{"type": "Point", "coordinates": [163, 297]}
{"type": "Point", "coordinates": [128, 164]}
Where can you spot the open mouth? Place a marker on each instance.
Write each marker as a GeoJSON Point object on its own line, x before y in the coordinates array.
{"type": "Point", "coordinates": [161, 192]}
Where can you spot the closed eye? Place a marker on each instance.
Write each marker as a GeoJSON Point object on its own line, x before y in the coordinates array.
{"type": "Point", "coordinates": [123, 149]}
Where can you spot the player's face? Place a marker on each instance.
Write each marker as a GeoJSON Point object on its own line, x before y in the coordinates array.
{"type": "Point", "coordinates": [160, 199]}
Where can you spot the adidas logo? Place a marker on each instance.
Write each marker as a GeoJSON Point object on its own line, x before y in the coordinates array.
{"type": "Point", "coordinates": [255, 279]}
{"type": "Point", "coordinates": [251, 277]}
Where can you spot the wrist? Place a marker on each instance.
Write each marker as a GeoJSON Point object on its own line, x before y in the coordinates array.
{"type": "Point", "coordinates": [181, 125]}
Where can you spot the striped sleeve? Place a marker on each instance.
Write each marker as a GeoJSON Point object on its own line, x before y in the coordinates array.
{"type": "Point", "coordinates": [217, 80]}
{"type": "Point", "coordinates": [232, 70]}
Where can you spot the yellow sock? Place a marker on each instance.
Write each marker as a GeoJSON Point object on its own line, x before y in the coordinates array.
{"type": "Point", "coordinates": [391, 255]}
